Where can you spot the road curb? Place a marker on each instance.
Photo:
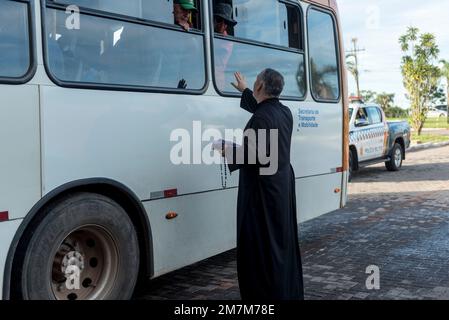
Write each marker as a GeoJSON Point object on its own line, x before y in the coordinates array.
{"type": "Point", "coordinates": [425, 146]}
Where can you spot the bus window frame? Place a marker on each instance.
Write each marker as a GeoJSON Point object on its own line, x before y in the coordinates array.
{"type": "Point", "coordinates": [263, 45]}
{"type": "Point", "coordinates": [337, 48]}
{"type": "Point", "coordinates": [31, 71]}
{"type": "Point", "coordinates": [129, 19]}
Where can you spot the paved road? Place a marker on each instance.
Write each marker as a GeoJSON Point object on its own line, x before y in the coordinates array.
{"type": "Point", "coordinates": [398, 222]}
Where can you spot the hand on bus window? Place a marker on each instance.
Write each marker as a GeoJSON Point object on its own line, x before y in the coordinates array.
{"type": "Point", "coordinates": [241, 84]}
{"type": "Point", "coordinates": [182, 84]}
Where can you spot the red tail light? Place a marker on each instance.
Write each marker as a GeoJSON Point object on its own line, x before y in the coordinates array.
{"type": "Point", "coordinates": [4, 216]}
{"type": "Point", "coordinates": [170, 193]}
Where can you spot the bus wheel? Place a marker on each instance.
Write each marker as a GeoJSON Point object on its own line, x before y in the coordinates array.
{"type": "Point", "coordinates": [395, 162]}
{"type": "Point", "coordinates": [85, 248]}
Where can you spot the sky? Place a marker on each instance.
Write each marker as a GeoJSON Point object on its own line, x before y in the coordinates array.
{"type": "Point", "coordinates": [378, 24]}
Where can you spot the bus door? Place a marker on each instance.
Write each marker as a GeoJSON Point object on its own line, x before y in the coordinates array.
{"type": "Point", "coordinates": [19, 112]}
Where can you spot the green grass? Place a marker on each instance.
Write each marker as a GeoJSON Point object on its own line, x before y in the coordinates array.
{"type": "Point", "coordinates": [427, 138]}
{"type": "Point", "coordinates": [431, 123]}
{"type": "Point", "coordinates": [440, 123]}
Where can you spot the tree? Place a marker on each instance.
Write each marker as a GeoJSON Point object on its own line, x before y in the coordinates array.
{"type": "Point", "coordinates": [444, 71]}
{"type": "Point", "coordinates": [353, 65]}
{"type": "Point", "coordinates": [396, 112]}
{"type": "Point", "coordinates": [353, 69]}
{"type": "Point", "coordinates": [368, 95]}
{"type": "Point", "coordinates": [420, 74]}
{"type": "Point", "coordinates": [439, 95]}
{"type": "Point", "coordinates": [385, 100]}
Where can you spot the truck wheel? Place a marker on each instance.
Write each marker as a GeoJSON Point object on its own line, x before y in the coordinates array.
{"type": "Point", "coordinates": [85, 248]}
{"type": "Point", "coordinates": [395, 162]}
{"type": "Point", "coordinates": [351, 166]}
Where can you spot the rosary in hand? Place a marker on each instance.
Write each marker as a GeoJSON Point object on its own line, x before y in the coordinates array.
{"type": "Point", "coordinates": [223, 167]}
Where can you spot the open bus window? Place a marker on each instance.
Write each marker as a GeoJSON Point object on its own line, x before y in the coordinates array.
{"type": "Point", "coordinates": [14, 39]}
{"type": "Point", "coordinates": [153, 10]}
{"type": "Point", "coordinates": [273, 30]}
{"type": "Point", "coordinates": [109, 51]}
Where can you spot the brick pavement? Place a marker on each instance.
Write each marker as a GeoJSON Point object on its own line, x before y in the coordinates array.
{"type": "Point", "coordinates": [396, 221]}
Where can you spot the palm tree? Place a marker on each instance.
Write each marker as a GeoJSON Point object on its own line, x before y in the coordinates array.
{"type": "Point", "coordinates": [352, 64]}
{"type": "Point", "coordinates": [352, 68]}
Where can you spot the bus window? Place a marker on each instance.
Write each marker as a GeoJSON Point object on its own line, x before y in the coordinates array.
{"type": "Point", "coordinates": [267, 21]}
{"type": "Point", "coordinates": [154, 10]}
{"type": "Point", "coordinates": [323, 56]}
{"type": "Point", "coordinates": [160, 10]}
{"type": "Point", "coordinates": [129, 8]}
{"type": "Point", "coordinates": [270, 29]}
{"type": "Point", "coordinates": [108, 51]}
{"type": "Point", "coordinates": [14, 39]}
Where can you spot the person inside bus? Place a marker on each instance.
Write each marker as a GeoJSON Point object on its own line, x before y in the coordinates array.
{"type": "Point", "coordinates": [182, 11]}
{"type": "Point", "coordinates": [223, 21]}
{"type": "Point", "coordinates": [268, 256]}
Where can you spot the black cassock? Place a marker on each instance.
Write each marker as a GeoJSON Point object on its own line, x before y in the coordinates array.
{"type": "Point", "coordinates": [268, 256]}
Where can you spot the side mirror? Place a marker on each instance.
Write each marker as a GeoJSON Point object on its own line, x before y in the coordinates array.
{"type": "Point", "coordinates": [361, 122]}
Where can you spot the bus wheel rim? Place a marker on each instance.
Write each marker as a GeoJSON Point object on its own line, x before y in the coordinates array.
{"type": "Point", "coordinates": [85, 265]}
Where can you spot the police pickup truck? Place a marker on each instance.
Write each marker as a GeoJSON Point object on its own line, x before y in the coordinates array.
{"type": "Point", "coordinates": [373, 139]}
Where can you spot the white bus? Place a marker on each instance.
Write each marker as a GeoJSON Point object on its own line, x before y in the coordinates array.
{"type": "Point", "coordinates": [90, 92]}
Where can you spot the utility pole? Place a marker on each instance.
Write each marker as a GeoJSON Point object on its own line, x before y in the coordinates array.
{"type": "Point", "coordinates": [354, 53]}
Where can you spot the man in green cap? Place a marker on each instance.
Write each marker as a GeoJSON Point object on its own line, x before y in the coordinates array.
{"type": "Point", "coordinates": [183, 13]}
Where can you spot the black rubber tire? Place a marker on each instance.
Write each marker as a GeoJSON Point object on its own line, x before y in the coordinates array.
{"type": "Point", "coordinates": [391, 165]}
{"type": "Point", "coordinates": [351, 166]}
{"type": "Point", "coordinates": [69, 213]}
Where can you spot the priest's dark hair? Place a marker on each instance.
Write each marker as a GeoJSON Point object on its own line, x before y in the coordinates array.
{"type": "Point", "coordinates": [273, 82]}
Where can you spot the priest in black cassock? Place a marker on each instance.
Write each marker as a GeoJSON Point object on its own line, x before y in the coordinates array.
{"type": "Point", "coordinates": [268, 256]}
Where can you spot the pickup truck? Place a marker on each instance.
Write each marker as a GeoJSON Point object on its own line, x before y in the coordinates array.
{"type": "Point", "coordinates": [373, 139]}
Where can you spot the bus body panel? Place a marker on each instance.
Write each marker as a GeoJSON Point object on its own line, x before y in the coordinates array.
{"type": "Point", "coordinates": [206, 224]}
{"type": "Point", "coordinates": [318, 195]}
{"type": "Point", "coordinates": [8, 230]}
{"type": "Point", "coordinates": [126, 137]}
{"type": "Point", "coordinates": [317, 138]}
{"type": "Point", "coordinates": [123, 137]}
{"type": "Point", "coordinates": [128, 140]}
{"type": "Point", "coordinates": [19, 149]}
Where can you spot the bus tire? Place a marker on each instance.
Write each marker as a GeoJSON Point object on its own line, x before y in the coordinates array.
{"type": "Point", "coordinates": [85, 248]}
{"type": "Point", "coordinates": [395, 162]}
